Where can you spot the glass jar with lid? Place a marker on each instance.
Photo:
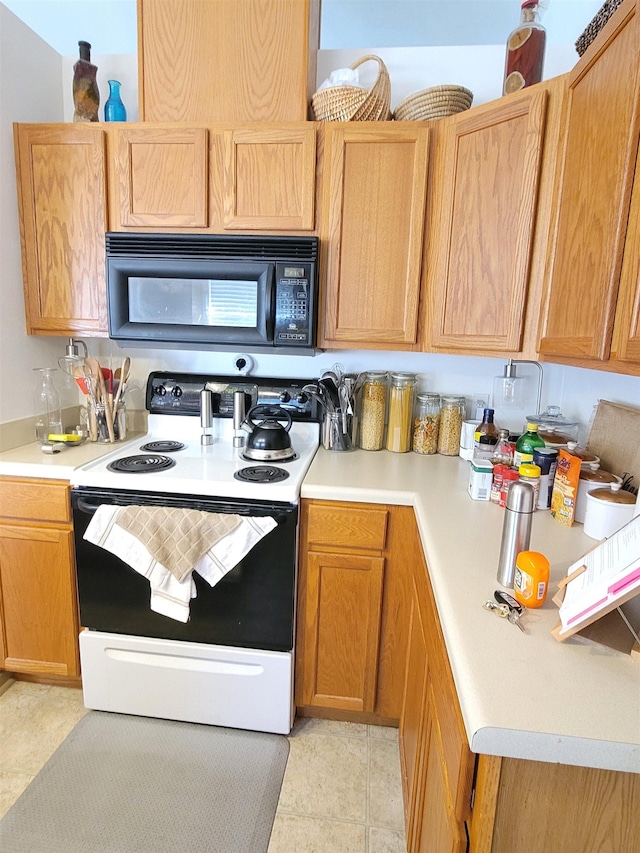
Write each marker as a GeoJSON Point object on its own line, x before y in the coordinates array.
{"type": "Point", "coordinates": [452, 415]}
{"type": "Point", "coordinates": [401, 393]}
{"type": "Point", "coordinates": [373, 409]}
{"type": "Point", "coordinates": [553, 428]}
{"type": "Point", "coordinates": [426, 421]}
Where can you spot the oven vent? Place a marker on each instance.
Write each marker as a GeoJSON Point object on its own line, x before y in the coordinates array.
{"type": "Point", "coordinates": [211, 246]}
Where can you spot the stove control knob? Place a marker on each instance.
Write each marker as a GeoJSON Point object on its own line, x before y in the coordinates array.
{"type": "Point", "coordinates": [159, 390]}
{"type": "Point", "coordinates": [285, 396]}
{"type": "Point", "coordinates": [177, 391]}
{"type": "Point", "coordinates": [302, 398]}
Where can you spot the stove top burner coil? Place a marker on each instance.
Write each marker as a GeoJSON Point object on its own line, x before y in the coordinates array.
{"type": "Point", "coordinates": [163, 446]}
{"type": "Point", "coordinates": [261, 474]}
{"type": "Point", "coordinates": [141, 464]}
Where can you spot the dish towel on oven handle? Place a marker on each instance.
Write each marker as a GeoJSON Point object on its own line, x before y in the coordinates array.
{"type": "Point", "coordinates": [172, 590]}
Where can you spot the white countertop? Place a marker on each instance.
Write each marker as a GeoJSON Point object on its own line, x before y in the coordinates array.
{"type": "Point", "coordinates": [29, 461]}
{"type": "Point", "coordinates": [521, 695]}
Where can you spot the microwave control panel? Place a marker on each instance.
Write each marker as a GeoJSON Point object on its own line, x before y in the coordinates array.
{"type": "Point", "coordinates": [294, 304]}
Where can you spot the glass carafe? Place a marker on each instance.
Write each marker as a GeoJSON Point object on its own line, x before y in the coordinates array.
{"type": "Point", "coordinates": [47, 405]}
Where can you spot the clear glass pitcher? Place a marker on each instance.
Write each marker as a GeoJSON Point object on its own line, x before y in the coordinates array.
{"type": "Point", "coordinates": [47, 405]}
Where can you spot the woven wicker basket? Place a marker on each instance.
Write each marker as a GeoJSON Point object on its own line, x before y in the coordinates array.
{"type": "Point", "coordinates": [353, 103]}
{"type": "Point", "coordinates": [596, 24]}
{"type": "Point", "coordinates": [436, 102]}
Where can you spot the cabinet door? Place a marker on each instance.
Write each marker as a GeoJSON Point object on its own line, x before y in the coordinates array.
{"type": "Point", "coordinates": [480, 253]}
{"type": "Point", "coordinates": [39, 612]}
{"type": "Point", "coordinates": [412, 718]}
{"type": "Point", "coordinates": [594, 186]}
{"type": "Point", "coordinates": [627, 324]}
{"type": "Point", "coordinates": [270, 178]}
{"type": "Point", "coordinates": [227, 60]}
{"type": "Point", "coordinates": [341, 615]}
{"type": "Point", "coordinates": [61, 200]}
{"type": "Point", "coordinates": [161, 178]}
{"type": "Point", "coordinates": [440, 831]}
{"type": "Point", "coordinates": [375, 178]}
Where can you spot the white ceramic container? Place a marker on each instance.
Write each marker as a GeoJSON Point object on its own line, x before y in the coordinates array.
{"type": "Point", "coordinates": [608, 509]}
{"type": "Point", "coordinates": [590, 479]}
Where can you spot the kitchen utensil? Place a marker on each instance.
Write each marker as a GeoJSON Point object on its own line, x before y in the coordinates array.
{"type": "Point", "coordinates": [121, 376]}
{"type": "Point", "coordinates": [268, 439]}
{"type": "Point", "coordinates": [335, 434]}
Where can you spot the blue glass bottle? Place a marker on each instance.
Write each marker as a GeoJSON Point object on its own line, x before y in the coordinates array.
{"type": "Point", "coordinates": [114, 109]}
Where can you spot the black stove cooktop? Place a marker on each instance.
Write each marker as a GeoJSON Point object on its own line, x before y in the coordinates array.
{"type": "Point", "coordinates": [141, 463]}
{"type": "Point", "coordinates": [261, 474]}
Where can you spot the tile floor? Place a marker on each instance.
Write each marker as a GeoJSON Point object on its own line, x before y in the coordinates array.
{"type": "Point", "coordinates": [341, 791]}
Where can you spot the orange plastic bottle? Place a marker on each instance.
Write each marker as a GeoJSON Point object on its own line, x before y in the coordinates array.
{"type": "Point", "coordinates": [531, 579]}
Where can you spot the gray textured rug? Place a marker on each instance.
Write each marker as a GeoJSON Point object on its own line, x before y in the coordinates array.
{"type": "Point", "coordinates": [124, 784]}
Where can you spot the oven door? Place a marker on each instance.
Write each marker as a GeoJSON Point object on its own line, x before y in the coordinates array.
{"type": "Point", "coordinates": [251, 607]}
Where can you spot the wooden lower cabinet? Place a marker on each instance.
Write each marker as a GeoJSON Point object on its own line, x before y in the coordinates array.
{"type": "Point", "coordinates": [437, 765]}
{"type": "Point", "coordinates": [38, 602]}
{"type": "Point", "coordinates": [456, 801]}
{"type": "Point", "coordinates": [353, 610]}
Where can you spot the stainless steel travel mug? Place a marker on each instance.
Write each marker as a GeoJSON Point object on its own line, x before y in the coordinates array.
{"type": "Point", "coordinates": [516, 530]}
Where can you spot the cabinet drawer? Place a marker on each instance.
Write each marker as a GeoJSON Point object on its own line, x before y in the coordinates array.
{"type": "Point", "coordinates": [347, 526]}
{"type": "Point", "coordinates": [34, 500]}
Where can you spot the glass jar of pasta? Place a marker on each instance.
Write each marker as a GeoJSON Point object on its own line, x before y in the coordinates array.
{"type": "Point", "coordinates": [401, 395]}
{"type": "Point", "coordinates": [373, 410]}
{"type": "Point", "coordinates": [426, 421]}
{"type": "Point", "coordinates": [452, 414]}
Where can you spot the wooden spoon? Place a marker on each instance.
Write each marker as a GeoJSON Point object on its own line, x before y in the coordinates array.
{"type": "Point", "coordinates": [121, 374]}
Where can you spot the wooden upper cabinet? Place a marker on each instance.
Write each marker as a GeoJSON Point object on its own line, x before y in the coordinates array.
{"type": "Point", "coordinates": [481, 237]}
{"type": "Point", "coordinates": [61, 174]}
{"type": "Point", "coordinates": [626, 341]}
{"type": "Point", "coordinates": [375, 181]}
{"type": "Point", "coordinates": [227, 60]}
{"type": "Point", "coordinates": [160, 177]}
{"type": "Point", "coordinates": [270, 177]}
{"type": "Point", "coordinates": [594, 187]}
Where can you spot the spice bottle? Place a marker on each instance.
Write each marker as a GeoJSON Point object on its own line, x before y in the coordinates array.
{"type": "Point", "coordinates": [373, 410]}
{"type": "Point", "coordinates": [400, 418]}
{"type": "Point", "coordinates": [452, 414]}
{"type": "Point", "coordinates": [525, 50]}
{"type": "Point", "coordinates": [509, 477]}
{"type": "Point", "coordinates": [526, 444]}
{"type": "Point", "coordinates": [503, 451]}
{"type": "Point", "coordinates": [516, 530]}
{"type": "Point", "coordinates": [426, 421]}
{"type": "Point", "coordinates": [530, 473]}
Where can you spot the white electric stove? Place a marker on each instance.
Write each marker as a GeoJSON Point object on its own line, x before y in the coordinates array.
{"type": "Point", "coordinates": [232, 662]}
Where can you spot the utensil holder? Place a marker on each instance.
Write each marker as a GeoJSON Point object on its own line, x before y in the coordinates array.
{"type": "Point", "coordinates": [336, 431]}
{"type": "Point", "coordinates": [99, 431]}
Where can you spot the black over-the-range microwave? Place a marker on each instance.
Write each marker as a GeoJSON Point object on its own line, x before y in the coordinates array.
{"type": "Point", "coordinates": [235, 291]}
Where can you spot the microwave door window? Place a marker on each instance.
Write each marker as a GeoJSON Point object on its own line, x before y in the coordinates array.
{"type": "Point", "coordinates": [233, 303]}
{"type": "Point", "coordinates": [194, 302]}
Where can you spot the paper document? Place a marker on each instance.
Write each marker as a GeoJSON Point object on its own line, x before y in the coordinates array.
{"type": "Point", "coordinates": [609, 573]}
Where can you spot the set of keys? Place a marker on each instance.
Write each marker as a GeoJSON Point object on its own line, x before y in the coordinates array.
{"type": "Point", "coordinates": [507, 607]}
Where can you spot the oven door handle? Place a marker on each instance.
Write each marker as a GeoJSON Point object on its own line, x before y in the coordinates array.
{"type": "Point", "coordinates": [86, 506]}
